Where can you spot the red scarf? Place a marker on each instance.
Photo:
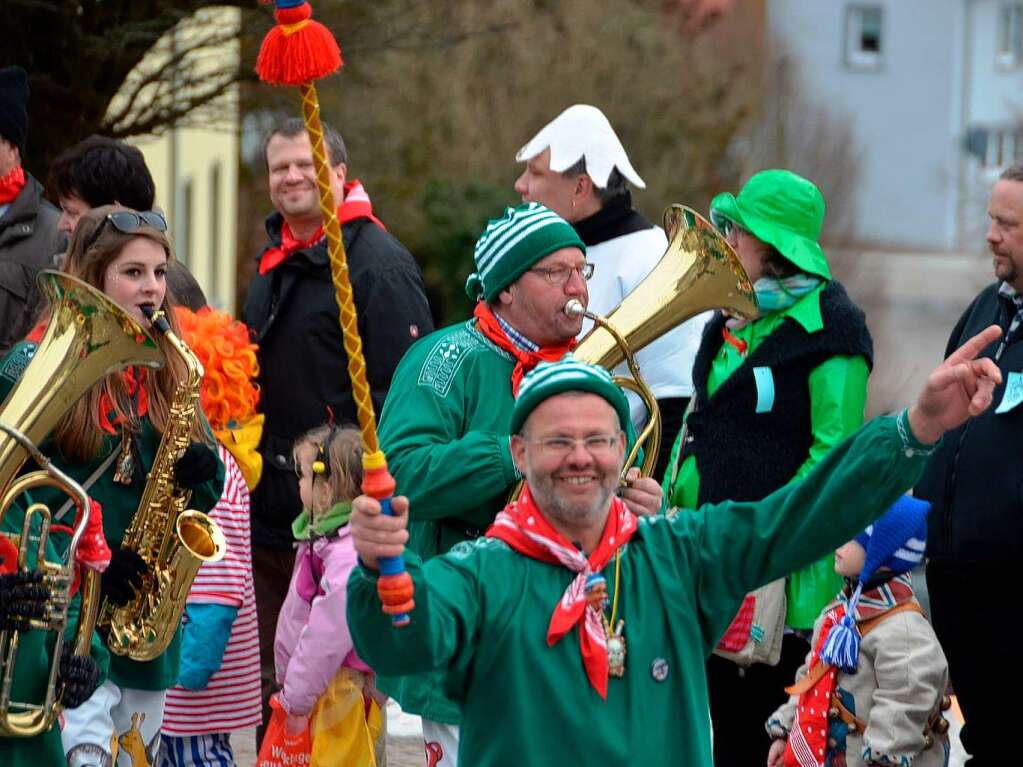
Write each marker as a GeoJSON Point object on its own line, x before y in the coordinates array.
{"type": "Point", "coordinates": [523, 527]}
{"type": "Point", "coordinates": [491, 328]}
{"type": "Point", "coordinates": [355, 205]}
{"type": "Point", "coordinates": [807, 745]}
{"type": "Point", "coordinates": [134, 382]}
{"type": "Point", "coordinates": [11, 185]}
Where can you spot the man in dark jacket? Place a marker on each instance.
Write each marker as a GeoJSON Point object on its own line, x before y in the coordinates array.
{"type": "Point", "coordinates": [293, 313]}
{"type": "Point", "coordinates": [28, 224]}
{"type": "Point", "coordinates": [975, 483]}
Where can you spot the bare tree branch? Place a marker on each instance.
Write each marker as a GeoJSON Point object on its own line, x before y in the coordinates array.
{"type": "Point", "coordinates": [171, 70]}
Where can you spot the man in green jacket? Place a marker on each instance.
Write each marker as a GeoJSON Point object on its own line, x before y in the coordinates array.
{"type": "Point", "coordinates": [576, 630]}
{"type": "Point", "coordinates": [444, 425]}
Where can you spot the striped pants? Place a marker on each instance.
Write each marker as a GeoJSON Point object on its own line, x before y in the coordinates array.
{"type": "Point", "coordinates": [213, 750]}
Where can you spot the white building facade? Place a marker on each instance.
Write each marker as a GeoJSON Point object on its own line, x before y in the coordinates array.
{"type": "Point", "coordinates": [933, 92]}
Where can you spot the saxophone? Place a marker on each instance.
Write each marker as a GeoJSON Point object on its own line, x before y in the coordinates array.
{"type": "Point", "coordinates": [172, 540]}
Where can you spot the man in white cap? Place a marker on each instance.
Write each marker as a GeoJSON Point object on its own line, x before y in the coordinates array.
{"type": "Point", "coordinates": [578, 168]}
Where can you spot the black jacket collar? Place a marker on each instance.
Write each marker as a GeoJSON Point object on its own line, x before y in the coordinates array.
{"type": "Point", "coordinates": [616, 219]}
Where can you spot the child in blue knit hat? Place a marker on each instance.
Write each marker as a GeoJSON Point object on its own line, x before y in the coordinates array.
{"type": "Point", "coordinates": [872, 690]}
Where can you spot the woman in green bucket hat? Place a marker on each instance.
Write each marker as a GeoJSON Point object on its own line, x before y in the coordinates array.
{"type": "Point", "coordinates": [771, 398]}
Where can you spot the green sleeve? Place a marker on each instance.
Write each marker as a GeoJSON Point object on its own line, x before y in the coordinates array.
{"type": "Point", "coordinates": [13, 365]}
{"type": "Point", "coordinates": [672, 482]}
{"type": "Point", "coordinates": [445, 470]}
{"type": "Point", "coordinates": [838, 396]}
{"type": "Point", "coordinates": [739, 546]}
{"type": "Point", "coordinates": [444, 629]}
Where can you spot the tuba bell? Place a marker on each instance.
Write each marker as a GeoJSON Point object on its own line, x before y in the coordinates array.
{"type": "Point", "coordinates": [87, 338]}
{"type": "Point", "coordinates": [698, 271]}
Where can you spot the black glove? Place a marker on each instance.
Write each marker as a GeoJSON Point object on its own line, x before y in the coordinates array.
{"type": "Point", "coordinates": [77, 678]}
{"type": "Point", "coordinates": [122, 577]}
{"type": "Point", "coordinates": [22, 597]}
{"type": "Point", "coordinates": [198, 464]}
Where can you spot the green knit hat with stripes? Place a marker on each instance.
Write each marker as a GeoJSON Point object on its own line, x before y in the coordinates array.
{"type": "Point", "coordinates": [565, 375]}
{"type": "Point", "coordinates": [510, 245]}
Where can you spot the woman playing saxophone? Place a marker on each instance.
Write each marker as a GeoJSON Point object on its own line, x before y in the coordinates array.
{"type": "Point", "coordinates": [108, 442]}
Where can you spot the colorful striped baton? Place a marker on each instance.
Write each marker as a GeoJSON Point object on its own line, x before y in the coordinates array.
{"type": "Point", "coordinates": [299, 51]}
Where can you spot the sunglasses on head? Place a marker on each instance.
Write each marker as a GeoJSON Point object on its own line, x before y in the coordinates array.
{"type": "Point", "coordinates": [129, 222]}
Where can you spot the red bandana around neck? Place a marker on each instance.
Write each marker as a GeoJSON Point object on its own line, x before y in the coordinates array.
{"type": "Point", "coordinates": [807, 745]}
{"type": "Point", "coordinates": [134, 382]}
{"type": "Point", "coordinates": [524, 527]}
{"type": "Point", "coordinates": [11, 185]}
{"type": "Point", "coordinates": [491, 328]}
{"type": "Point", "coordinates": [356, 205]}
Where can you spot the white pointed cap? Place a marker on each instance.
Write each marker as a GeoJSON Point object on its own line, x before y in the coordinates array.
{"type": "Point", "coordinates": [582, 131]}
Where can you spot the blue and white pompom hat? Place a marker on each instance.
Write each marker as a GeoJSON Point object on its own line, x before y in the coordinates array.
{"type": "Point", "coordinates": [896, 541]}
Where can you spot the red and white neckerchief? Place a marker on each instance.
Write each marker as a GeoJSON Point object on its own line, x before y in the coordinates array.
{"type": "Point", "coordinates": [523, 527]}
{"type": "Point", "coordinates": [356, 205]}
{"type": "Point", "coordinates": [807, 745]}
{"type": "Point", "coordinates": [487, 322]}
{"type": "Point", "coordinates": [134, 380]}
{"type": "Point", "coordinates": [11, 185]}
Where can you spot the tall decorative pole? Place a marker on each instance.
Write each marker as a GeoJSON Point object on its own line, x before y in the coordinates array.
{"type": "Point", "coordinates": [297, 52]}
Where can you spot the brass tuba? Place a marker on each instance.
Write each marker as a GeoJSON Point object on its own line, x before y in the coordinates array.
{"type": "Point", "coordinates": [87, 338]}
{"type": "Point", "coordinates": [699, 271]}
{"type": "Point", "coordinates": [172, 540]}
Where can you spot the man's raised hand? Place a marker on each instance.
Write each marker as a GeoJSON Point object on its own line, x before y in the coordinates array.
{"type": "Point", "coordinates": [375, 534]}
{"type": "Point", "coordinates": [959, 388]}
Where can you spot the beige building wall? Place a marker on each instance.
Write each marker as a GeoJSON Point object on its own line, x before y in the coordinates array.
{"type": "Point", "coordinates": [196, 175]}
{"type": "Point", "coordinates": [195, 165]}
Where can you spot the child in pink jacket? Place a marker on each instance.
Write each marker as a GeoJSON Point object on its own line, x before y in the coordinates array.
{"type": "Point", "coordinates": [324, 684]}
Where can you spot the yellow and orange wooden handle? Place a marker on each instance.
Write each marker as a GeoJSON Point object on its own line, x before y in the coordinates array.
{"type": "Point", "coordinates": [297, 52]}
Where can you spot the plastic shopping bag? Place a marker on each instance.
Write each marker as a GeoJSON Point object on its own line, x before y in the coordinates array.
{"type": "Point", "coordinates": [346, 724]}
{"type": "Point", "coordinates": [280, 749]}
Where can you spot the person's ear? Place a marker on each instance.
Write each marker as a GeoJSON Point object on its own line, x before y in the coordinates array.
{"type": "Point", "coordinates": [507, 296]}
{"type": "Point", "coordinates": [583, 187]}
{"type": "Point", "coordinates": [341, 170]}
{"type": "Point", "coordinates": [518, 451]}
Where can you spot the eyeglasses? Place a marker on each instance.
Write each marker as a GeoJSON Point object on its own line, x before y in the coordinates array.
{"type": "Point", "coordinates": [129, 222]}
{"type": "Point", "coordinates": [597, 444]}
{"type": "Point", "coordinates": [559, 275]}
{"type": "Point", "coordinates": [729, 228]}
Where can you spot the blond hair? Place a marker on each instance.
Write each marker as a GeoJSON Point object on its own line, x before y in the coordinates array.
{"type": "Point", "coordinates": [343, 448]}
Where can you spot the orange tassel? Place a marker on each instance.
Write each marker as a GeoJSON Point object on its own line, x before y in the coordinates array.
{"type": "Point", "coordinates": [298, 50]}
